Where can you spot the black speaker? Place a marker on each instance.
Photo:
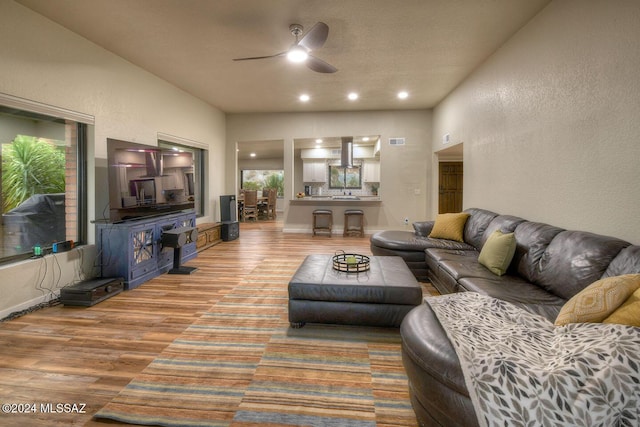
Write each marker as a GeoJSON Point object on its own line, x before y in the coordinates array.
{"type": "Point", "coordinates": [228, 211]}
{"type": "Point", "coordinates": [229, 231]}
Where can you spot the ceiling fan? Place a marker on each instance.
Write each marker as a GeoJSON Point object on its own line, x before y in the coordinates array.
{"type": "Point", "coordinates": [300, 51]}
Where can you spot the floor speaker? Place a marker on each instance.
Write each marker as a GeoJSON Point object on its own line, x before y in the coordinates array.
{"type": "Point", "coordinates": [228, 211]}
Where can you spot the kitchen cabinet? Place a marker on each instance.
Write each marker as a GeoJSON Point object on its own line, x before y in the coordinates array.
{"type": "Point", "coordinates": [169, 182]}
{"type": "Point", "coordinates": [182, 160]}
{"type": "Point", "coordinates": [314, 171]}
{"type": "Point", "coordinates": [371, 171]}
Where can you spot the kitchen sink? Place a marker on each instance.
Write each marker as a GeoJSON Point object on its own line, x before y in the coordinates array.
{"type": "Point", "coordinates": [345, 197]}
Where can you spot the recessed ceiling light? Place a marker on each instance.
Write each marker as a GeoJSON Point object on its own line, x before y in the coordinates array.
{"type": "Point", "coordinates": [304, 97]}
{"type": "Point", "coordinates": [252, 154]}
{"type": "Point", "coordinates": [403, 95]}
{"type": "Point", "coordinates": [365, 139]}
{"type": "Point", "coordinates": [319, 141]}
{"type": "Point", "coordinates": [352, 96]}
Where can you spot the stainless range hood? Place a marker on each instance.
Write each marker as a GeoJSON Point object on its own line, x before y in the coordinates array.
{"type": "Point", "coordinates": [346, 152]}
{"type": "Point", "coordinates": [153, 162]}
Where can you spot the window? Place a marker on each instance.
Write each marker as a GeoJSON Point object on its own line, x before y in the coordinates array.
{"type": "Point", "coordinates": [341, 177]}
{"type": "Point", "coordinates": [43, 182]}
{"type": "Point", "coordinates": [257, 179]}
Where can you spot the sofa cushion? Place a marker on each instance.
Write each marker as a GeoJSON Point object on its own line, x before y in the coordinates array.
{"type": "Point", "coordinates": [627, 262]}
{"type": "Point", "coordinates": [440, 278]}
{"type": "Point", "coordinates": [407, 241]}
{"type": "Point", "coordinates": [423, 228]}
{"type": "Point", "coordinates": [503, 223]}
{"type": "Point", "coordinates": [497, 252]}
{"type": "Point", "coordinates": [532, 239]}
{"type": "Point", "coordinates": [460, 269]}
{"type": "Point", "coordinates": [433, 256]}
{"type": "Point", "coordinates": [518, 291]}
{"type": "Point", "coordinates": [476, 226]}
{"type": "Point", "coordinates": [628, 313]}
{"type": "Point", "coordinates": [598, 300]}
{"type": "Point", "coordinates": [575, 259]}
{"type": "Point", "coordinates": [449, 226]}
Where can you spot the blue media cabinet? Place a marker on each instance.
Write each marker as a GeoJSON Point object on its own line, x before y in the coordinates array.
{"type": "Point", "coordinates": [133, 249]}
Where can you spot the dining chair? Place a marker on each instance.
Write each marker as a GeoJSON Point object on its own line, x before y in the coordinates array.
{"type": "Point", "coordinates": [271, 203]}
{"type": "Point", "coordinates": [262, 202]}
{"type": "Point", "coordinates": [250, 208]}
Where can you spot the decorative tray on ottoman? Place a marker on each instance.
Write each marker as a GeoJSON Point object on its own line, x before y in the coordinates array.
{"type": "Point", "coordinates": [350, 263]}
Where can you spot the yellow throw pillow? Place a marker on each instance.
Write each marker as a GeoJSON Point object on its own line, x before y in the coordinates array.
{"type": "Point", "coordinates": [497, 252]}
{"type": "Point", "coordinates": [628, 313]}
{"type": "Point", "coordinates": [450, 226]}
{"type": "Point", "coordinates": [598, 300]}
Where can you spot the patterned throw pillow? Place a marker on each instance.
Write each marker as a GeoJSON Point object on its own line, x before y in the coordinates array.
{"type": "Point", "coordinates": [628, 313]}
{"type": "Point", "coordinates": [598, 300]}
{"type": "Point", "coordinates": [497, 252]}
{"type": "Point", "coordinates": [450, 226]}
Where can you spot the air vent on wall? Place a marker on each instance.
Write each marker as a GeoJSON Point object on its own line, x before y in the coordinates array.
{"type": "Point", "coordinates": [396, 141]}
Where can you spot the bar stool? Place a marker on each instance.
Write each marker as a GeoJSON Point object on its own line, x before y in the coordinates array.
{"type": "Point", "coordinates": [327, 216]}
{"type": "Point", "coordinates": [356, 229]}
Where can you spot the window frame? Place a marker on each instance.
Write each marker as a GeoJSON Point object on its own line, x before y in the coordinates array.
{"type": "Point", "coordinates": [343, 172]}
{"type": "Point", "coordinates": [19, 108]}
{"type": "Point", "coordinates": [278, 171]}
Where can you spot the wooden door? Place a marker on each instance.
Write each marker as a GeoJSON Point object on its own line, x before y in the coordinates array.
{"type": "Point", "coordinates": [450, 187]}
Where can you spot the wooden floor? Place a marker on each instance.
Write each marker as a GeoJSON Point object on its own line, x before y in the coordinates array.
{"type": "Point", "coordinates": [85, 356]}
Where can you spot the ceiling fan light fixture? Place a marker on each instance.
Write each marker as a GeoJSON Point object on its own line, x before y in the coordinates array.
{"type": "Point", "coordinates": [297, 54]}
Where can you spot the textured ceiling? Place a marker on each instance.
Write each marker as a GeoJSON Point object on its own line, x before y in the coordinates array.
{"type": "Point", "coordinates": [426, 47]}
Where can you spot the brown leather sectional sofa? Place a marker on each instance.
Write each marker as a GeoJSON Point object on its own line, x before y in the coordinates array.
{"type": "Point", "coordinates": [549, 267]}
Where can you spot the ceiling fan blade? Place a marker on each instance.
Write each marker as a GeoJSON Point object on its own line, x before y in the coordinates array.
{"type": "Point", "coordinates": [315, 37]}
{"type": "Point", "coordinates": [319, 65]}
{"type": "Point", "coordinates": [261, 57]}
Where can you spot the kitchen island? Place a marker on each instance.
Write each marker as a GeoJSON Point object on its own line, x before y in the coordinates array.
{"type": "Point", "coordinates": [299, 216]}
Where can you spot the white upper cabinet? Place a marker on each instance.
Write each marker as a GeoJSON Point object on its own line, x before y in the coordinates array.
{"type": "Point", "coordinates": [314, 171]}
{"type": "Point", "coordinates": [371, 171]}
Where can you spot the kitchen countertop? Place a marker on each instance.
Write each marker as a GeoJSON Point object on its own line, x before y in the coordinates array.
{"type": "Point", "coordinates": [336, 199]}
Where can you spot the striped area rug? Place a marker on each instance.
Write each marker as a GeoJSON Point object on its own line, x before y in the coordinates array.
{"type": "Point", "coordinates": [241, 364]}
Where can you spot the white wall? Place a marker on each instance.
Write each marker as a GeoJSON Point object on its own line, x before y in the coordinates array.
{"type": "Point", "coordinates": [403, 170]}
{"type": "Point", "coordinates": [550, 122]}
{"type": "Point", "coordinates": [43, 62]}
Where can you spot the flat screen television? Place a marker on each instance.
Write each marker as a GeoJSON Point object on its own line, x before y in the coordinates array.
{"type": "Point", "coordinates": [146, 180]}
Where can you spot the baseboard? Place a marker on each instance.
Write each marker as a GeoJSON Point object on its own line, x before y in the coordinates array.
{"type": "Point", "coordinates": [336, 230]}
{"type": "Point", "coordinates": [29, 304]}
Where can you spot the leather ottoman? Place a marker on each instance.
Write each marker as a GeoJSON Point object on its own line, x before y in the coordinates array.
{"type": "Point", "coordinates": [381, 296]}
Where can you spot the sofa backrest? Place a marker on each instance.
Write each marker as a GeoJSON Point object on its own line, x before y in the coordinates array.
{"type": "Point", "coordinates": [575, 259]}
{"type": "Point", "coordinates": [504, 223]}
{"type": "Point", "coordinates": [476, 226]}
{"type": "Point", "coordinates": [532, 239]}
{"type": "Point", "coordinates": [627, 262]}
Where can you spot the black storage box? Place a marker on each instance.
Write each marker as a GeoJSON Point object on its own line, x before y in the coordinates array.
{"type": "Point", "coordinates": [91, 292]}
{"type": "Point", "coordinates": [230, 231]}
